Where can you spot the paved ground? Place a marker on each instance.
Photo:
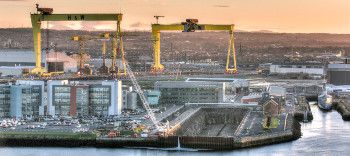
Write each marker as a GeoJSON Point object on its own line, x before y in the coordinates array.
{"type": "Point", "coordinates": [253, 126]}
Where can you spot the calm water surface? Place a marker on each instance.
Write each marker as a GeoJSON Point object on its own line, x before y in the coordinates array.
{"type": "Point", "coordinates": [327, 134]}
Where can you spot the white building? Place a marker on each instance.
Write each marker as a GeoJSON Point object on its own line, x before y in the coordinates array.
{"type": "Point", "coordinates": [277, 91]}
{"type": "Point", "coordinates": [297, 69]}
{"type": "Point", "coordinates": [12, 62]}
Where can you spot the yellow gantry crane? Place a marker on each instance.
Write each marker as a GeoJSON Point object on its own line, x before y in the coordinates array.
{"type": "Point", "coordinates": [82, 39]}
{"type": "Point", "coordinates": [192, 25]}
{"type": "Point", "coordinates": [117, 49]}
{"type": "Point", "coordinates": [46, 14]}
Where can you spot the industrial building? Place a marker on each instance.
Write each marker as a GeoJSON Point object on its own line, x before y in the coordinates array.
{"type": "Point", "coordinates": [84, 98]}
{"type": "Point", "coordinates": [152, 97]}
{"type": "Point", "coordinates": [13, 62]}
{"type": "Point", "coordinates": [277, 91]}
{"type": "Point", "coordinates": [131, 101]}
{"type": "Point", "coordinates": [22, 100]}
{"type": "Point", "coordinates": [310, 69]}
{"type": "Point", "coordinates": [233, 85]}
{"type": "Point", "coordinates": [339, 74]}
{"type": "Point", "coordinates": [59, 61]}
{"type": "Point", "coordinates": [181, 92]}
{"type": "Point", "coordinates": [251, 98]}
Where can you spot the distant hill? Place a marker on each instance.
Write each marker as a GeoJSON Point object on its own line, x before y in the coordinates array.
{"type": "Point", "coordinates": [200, 45]}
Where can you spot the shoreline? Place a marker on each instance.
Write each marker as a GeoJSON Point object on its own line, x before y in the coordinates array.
{"type": "Point", "coordinates": [208, 143]}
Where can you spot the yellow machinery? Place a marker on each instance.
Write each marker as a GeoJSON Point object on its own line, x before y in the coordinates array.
{"type": "Point", "coordinates": [82, 41]}
{"type": "Point", "coordinates": [190, 26]}
{"type": "Point", "coordinates": [46, 14]}
{"type": "Point", "coordinates": [104, 69]}
{"type": "Point", "coordinates": [118, 49]}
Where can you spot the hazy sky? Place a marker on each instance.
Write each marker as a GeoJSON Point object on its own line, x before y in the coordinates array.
{"type": "Point", "coordinates": [327, 16]}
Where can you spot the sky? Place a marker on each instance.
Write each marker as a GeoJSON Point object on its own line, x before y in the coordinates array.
{"type": "Point", "coordinates": [291, 16]}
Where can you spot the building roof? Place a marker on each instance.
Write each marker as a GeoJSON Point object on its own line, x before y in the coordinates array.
{"type": "Point", "coordinates": [186, 84]}
{"type": "Point", "coordinates": [339, 66]}
{"type": "Point", "coordinates": [214, 79]}
{"type": "Point", "coordinates": [237, 82]}
{"type": "Point", "coordinates": [252, 96]}
{"type": "Point", "coordinates": [18, 56]}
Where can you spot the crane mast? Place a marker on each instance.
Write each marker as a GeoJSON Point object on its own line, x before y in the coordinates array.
{"type": "Point", "coordinates": [139, 91]}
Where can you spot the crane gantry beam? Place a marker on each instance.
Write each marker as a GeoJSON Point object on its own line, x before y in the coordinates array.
{"type": "Point", "coordinates": [45, 14]}
{"type": "Point", "coordinates": [190, 26]}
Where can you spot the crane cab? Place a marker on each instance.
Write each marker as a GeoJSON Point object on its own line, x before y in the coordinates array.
{"type": "Point", "coordinates": [44, 11]}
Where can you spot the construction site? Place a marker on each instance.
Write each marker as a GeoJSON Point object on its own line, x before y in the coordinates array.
{"type": "Point", "coordinates": [105, 100]}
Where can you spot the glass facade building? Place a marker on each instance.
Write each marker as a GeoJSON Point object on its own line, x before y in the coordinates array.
{"type": "Point", "coordinates": [22, 100]}
{"type": "Point", "coordinates": [84, 99]}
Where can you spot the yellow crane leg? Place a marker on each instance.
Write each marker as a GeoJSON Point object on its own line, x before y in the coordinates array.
{"type": "Point", "coordinates": [157, 66]}
{"type": "Point", "coordinates": [114, 56]}
{"type": "Point", "coordinates": [37, 46]}
{"type": "Point", "coordinates": [121, 50]}
{"type": "Point", "coordinates": [231, 56]}
{"type": "Point", "coordinates": [123, 71]}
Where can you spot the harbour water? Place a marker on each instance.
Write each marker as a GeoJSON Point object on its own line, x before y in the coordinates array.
{"type": "Point", "coordinates": [327, 134]}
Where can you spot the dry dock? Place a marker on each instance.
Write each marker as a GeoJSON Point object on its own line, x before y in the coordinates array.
{"type": "Point", "coordinates": [207, 128]}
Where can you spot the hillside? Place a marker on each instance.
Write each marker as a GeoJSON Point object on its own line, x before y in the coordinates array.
{"type": "Point", "coordinates": [192, 46]}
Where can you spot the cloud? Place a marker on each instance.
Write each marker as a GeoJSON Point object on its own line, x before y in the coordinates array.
{"type": "Point", "coordinates": [78, 25]}
{"type": "Point", "coordinates": [221, 6]}
{"type": "Point", "coordinates": [139, 25]}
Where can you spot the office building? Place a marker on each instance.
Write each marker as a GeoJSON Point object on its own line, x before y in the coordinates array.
{"type": "Point", "coordinates": [84, 98]}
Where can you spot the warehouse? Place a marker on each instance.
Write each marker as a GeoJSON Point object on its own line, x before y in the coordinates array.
{"type": "Point", "coordinates": [233, 85]}
{"type": "Point", "coordinates": [59, 61]}
{"type": "Point", "coordinates": [179, 92]}
{"type": "Point", "coordinates": [310, 69]}
{"type": "Point", "coordinates": [339, 74]}
{"type": "Point", "coordinates": [12, 62]}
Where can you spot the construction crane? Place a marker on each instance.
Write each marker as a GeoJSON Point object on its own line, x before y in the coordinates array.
{"type": "Point", "coordinates": [82, 41]}
{"type": "Point", "coordinates": [157, 18]}
{"type": "Point", "coordinates": [46, 14]}
{"type": "Point", "coordinates": [118, 48]}
{"type": "Point", "coordinates": [191, 25]}
{"type": "Point", "coordinates": [104, 69]}
{"type": "Point", "coordinates": [144, 101]}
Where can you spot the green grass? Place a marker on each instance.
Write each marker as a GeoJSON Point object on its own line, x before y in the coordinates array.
{"type": "Point", "coordinates": [47, 135]}
{"type": "Point", "coordinates": [274, 123]}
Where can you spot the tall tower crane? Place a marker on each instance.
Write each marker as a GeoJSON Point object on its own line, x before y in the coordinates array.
{"type": "Point", "coordinates": [46, 14]}
{"type": "Point", "coordinates": [191, 25]}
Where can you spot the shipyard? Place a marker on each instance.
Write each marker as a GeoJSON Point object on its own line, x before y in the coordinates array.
{"type": "Point", "coordinates": [162, 89]}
